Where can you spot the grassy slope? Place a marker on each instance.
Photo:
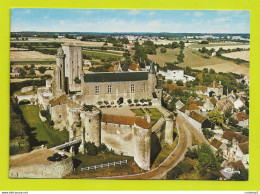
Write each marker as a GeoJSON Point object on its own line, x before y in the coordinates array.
{"type": "Point", "coordinates": [42, 132]}
{"type": "Point", "coordinates": [103, 158]}
{"type": "Point", "coordinates": [169, 56]}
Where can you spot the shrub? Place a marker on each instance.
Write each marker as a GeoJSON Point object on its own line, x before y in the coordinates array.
{"type": "Point", "coordinates": [208, 133]}
{"type": "Point", "coordinates": [129, 101]}
{"type": "Point", "coordinates": [42, 69]}
{"type": "Point", "coordinates": [103, 148]}
{"type": "Point", "coordinates": [136, 100]}
{"type": "Point", "coordinates": [92, 149]}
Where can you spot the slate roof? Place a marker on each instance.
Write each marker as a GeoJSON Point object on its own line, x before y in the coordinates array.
{"type": "Point", "coordinates": [197, 117]}
{"type": "Point", "coordinates": [126, 120]}
{"type": "Point", "coordinates": [115, 76]}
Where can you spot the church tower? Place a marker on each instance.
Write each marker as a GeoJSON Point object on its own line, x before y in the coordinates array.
{"type": "Point", "coordinates": [59, 84]}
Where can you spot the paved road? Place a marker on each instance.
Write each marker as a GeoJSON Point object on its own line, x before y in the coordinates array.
{"type": "Point", "coordinates": [184, 123]}
{"type": "Point", "coordinates": [185, 141]}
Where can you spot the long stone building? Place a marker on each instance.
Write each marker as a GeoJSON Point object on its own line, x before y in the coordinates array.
{"type": "Point", "coordinates": [74, 94]}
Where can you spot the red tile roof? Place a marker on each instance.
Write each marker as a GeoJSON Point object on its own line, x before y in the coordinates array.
{"type": "Point", "coordinates": [216, 143]}
{"type": "Point", "coordinates": [229, 135]}
{"type": "Point", "coordinates": [244, 147]}
{"type": "Point", "coordinates": [58, 100]}
{"type": "Point", "coordinates": [238, 165]}
{"type": "Point", "coordinates": [126, 120]}
{"type": "Point", "coordinates": [174, 87]}
{"type": "Point", "coordinates": [197, 117]}
{"type": "Point", "coordinates": [202, 88]}
{"type": "Point", "coordinates": [214, 101]}
{"type": "Point", "coordinates": [193, 107]}
{"type": "Point", "coordinates": [241, 116]}
{"type": "Point", "coordinates": [191, 100]}
{"type": "Point", "coordinates": [135, 67]}
{"type": "Point", "coordinates": [214, 85]}
{"type": "Point", "coordinates": [183, 109]}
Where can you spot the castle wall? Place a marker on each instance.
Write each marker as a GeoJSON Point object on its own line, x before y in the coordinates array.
{"type": "Point", "coordinates": [59, 115]}
{"type": "Point", "coordinates": [118, 137]}
{"type": "Point", "coordinates": [92, 124]}
{"type": "Point", "coordinates": [118, 90]}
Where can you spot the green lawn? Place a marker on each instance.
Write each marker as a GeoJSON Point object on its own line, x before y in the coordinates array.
{"type": "Point", "coordinates": [153, 112]}
{"type": "Point", "coordinates": [41, 131]}
{"type": "Point", "coordinates": [81, 161]}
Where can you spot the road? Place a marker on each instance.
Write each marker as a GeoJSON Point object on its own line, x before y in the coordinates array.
{"type": "Point", "coordinates": [185, 141]}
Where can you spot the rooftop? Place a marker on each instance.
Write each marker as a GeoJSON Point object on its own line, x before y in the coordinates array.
{"type": "Point", "coordinates": [126, 120]}
{"type": "Point", "coordinates": [216, 143]}
{"type": "Point", "coordinates": [197, 117]}
{"type": "Point", "coordinates": [229, 135]}
{"type": "Point", "coordinates": [115, 76]}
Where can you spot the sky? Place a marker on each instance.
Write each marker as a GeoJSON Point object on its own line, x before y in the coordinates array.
{"type": "Point", "coordinates": [129, 20]}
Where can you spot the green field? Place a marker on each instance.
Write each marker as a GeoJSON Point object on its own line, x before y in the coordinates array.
{"type": "Point", "coordinates": [33, 62]}
{"type": "Point", "coordinates": [40, 132]}
{"type": "Point", "coordinates": [153, 112]}
{"type": "Point", "coordinates": [196, 45]}
{"type": "Point", "coordinates": [81, 161]}
{"type": "Point", "coordinates": [101, 55]}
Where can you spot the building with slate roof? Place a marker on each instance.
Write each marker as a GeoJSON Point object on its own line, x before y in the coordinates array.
{"type": "Point", "coordinates": [74, 94]}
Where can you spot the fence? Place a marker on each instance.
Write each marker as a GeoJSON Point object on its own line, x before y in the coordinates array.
{"type": "Point", "coordinates": [104, 165]}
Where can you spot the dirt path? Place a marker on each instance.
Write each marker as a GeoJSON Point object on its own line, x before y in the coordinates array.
{"type": "Point", "coordinates": [185, 141]}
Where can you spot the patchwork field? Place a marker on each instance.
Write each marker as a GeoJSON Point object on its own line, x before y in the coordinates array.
{"type": "Point", "coordinates": [218, 64]}
{"type": "Point", "coordinates": [169, 56]}
{"type": "Point", "coordinates": [216, 46]}
{"type": "Point", "coordinates": [30, 56]}
{"type": "Point", "coordinates": [244, 55]}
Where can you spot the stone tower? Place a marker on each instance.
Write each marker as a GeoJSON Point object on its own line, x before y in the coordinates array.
{"type": "Point", "coordinates": [152, 81]}
{"type": "Point", "coordinates": [59, 84]}
{"type": "Point", "coordinates": [73, 62]}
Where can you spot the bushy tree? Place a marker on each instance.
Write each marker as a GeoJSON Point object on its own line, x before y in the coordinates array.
{"type": "Point", "coordinates": [179, 82]}
{"type": "Point", "coordinates": [243, 176]}
{"type": "Point", "coordinates": [42, 69]}
{"type": "Point", "coordinates": [92, 149]}
{"type": "Point", "coordinates": [232, 121]}
{"type": "Point", "coordinates": [216, 117]}
{"type": "Point", "coordinates": [163, 50]}
{"type": "Point", "coordinates": [208, 133]}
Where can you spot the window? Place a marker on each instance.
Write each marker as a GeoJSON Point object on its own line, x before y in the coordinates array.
{"type": "Point", "coordinates": [143, 87]}
{"type": "Point", "coordinates": [132, 89]}
{"type": "Point", "coordinates": [109, 88]}
{"type": "Point", "coordinates": [96, 89]}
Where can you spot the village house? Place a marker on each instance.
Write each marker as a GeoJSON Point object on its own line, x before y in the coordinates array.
{"type": "Point", "coordinates": [237, 147]}
{"type": "Point", "coordinates": [239, 102]}
{"type": "Point", "coordinates": [200, 122]}
{"type": "Point", "coordinates": [176, 74]}
{"type": "Point", "coordinates": [242, 119]}
{"type": "Point", "coordinates": [214, 89]}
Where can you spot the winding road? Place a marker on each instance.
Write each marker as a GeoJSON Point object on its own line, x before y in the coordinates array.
{"type": "Point", "coordinates": [185, 141]}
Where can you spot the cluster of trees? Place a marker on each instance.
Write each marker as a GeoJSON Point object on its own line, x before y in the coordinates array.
{"type": "Point", "coordinates": [216, 117]}
{"type": "Point", "coordinates": [30, 45]}
{"type": "Point", "coordinates": [209, 52]}
{"type": "Point", "coordinates": [101, 68]}
{"type": "Point", "coordinates": [102, 57]}
{"type": "Point", "coordinates": [204, 42]}
{"type": "Point", "coordinates": [117, 42]}
{"type": "Point", "coordinates": [28, 71]}
{"type": "Point", "coordinates": [15, 86]}
{"type": "Point", "coordinates": [208, 161]}
{"type": "Point", "coordinates": [93, 150]}
{"type": "Point", "coordinates": [180, 56]}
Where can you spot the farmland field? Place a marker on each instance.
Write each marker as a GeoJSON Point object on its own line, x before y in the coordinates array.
{"type": "Point", "coordinates": [216, 46]}
{"type": "Point", "coordinates": [169, 56]}
{"type": "Point", "coordinates": [244, 55]}
{"type": "Point", "coordinates": [30, 56]}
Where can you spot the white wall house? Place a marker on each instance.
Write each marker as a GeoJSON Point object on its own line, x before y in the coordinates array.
{"type": "Point", "coordinates": [238, 103]}
{"type": "Point", "coordinates": [175, 75]}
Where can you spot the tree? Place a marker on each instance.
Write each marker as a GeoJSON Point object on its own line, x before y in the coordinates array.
{"type": "Point", "coordinates": [129, 101]}
{"type": "Point", "coordinates": [92, 149]}
{"type": "Point", "coordinates": [205, 70]}
{"type": "Point", "coordinates": [22, 73]}
{"type": "Point", "coordinates": [42, 69]}
{"type": "Point", "coordinates": [174, 45]}
{"type": "Point", "coordinates": [77, 80]}
{"type": "Point", "coordinates": [245, 131]}
{"type": "Point", "coordinates": [212, 71]}
{"type": "Point", "coordinates": [216, 117]}
{"type": "Point", "coordinates": [180, 57]}
{"type": "Point", "coordinates": [232, 121]}
{"type": "Point", "coordinates": [163, 50]}
{"type": "Point", "coordinates": [169, 81]}
{"type": "Point", "coordinates": [243, 176]}
{"type": "Point", "coordinates": [182, 45]}
{"type": "Point", "coordinates": [32, 72]}
{"type": "Point", "coordinates": [179, 83]}
{"type": "Point", "coordinates": [228, 112]}
{"type": "Point", "coordinates": [206, 160]}
{"type": "Point", "coordinates": [208, 133]}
